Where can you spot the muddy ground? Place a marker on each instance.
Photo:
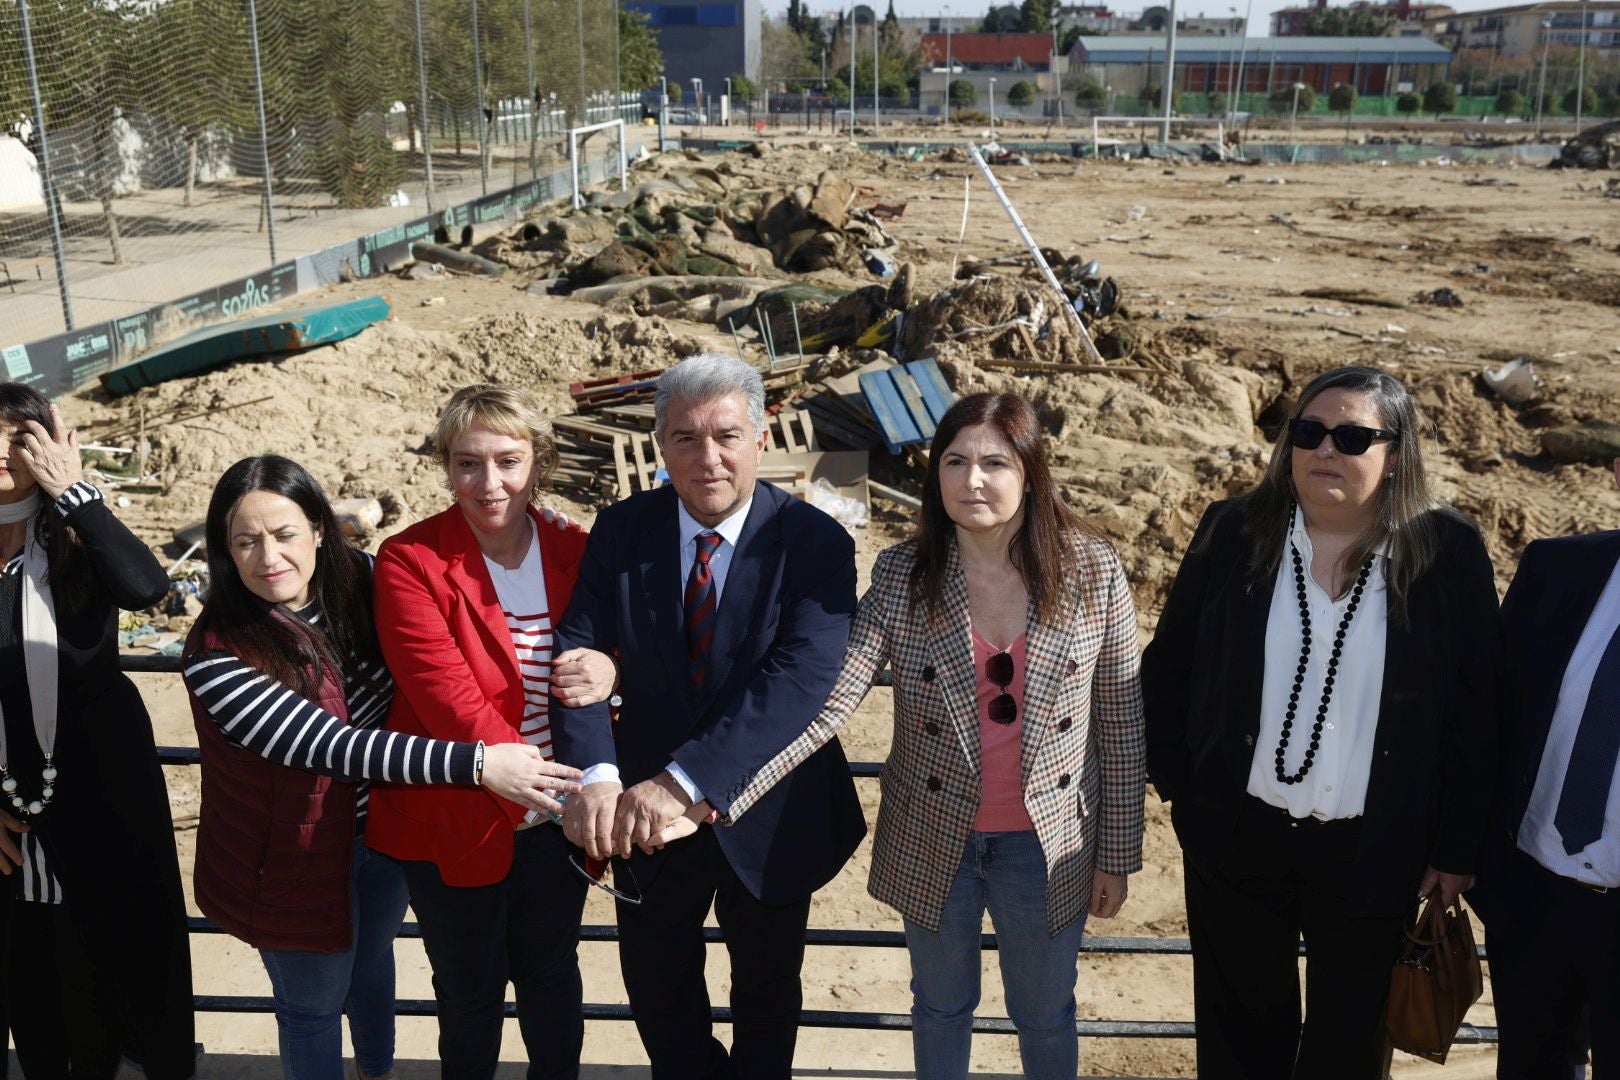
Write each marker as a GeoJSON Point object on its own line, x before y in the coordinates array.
{"type": "Point", "coordinates": [1212, 260]}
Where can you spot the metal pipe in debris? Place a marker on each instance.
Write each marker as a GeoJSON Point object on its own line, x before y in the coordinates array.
{"type": "Point", "coordinates": [1035, 253]}
{"type": "Point", "coordinates": [464, 261]}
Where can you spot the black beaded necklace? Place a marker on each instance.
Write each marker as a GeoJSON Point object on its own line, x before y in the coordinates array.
{"type": "Point", "coordinates": [1304, 657]}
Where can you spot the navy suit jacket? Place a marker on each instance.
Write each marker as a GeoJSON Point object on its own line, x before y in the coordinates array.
{"type": "Point", "coordinates": [1553, 593]}
{"type": "Point", "coordinates": [778, 647]}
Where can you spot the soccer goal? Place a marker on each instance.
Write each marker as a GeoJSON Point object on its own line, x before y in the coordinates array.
{"type": "Point", "coordinates": [576, 140]}
{"type": "Point", "coordinates": [1153, 132]}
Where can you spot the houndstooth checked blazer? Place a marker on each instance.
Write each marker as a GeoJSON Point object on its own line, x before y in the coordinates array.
{"type": "Point", "coordinates": [1084, 777]}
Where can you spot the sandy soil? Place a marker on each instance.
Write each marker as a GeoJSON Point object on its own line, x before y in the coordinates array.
{"type": "Point", "coordinates": [1212, 260]}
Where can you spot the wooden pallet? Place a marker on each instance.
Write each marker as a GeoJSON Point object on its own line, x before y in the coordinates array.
{"type": "Point", "coordinates": [907, 401]}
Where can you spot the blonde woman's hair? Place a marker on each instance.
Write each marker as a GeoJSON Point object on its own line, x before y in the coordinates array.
{"type": "Point", "coordinates": [508, 410]}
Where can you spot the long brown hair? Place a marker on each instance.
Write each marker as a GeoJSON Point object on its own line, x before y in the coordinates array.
{"type": "Point", "coordinates": [293, 653]}
{"type": "Point", "coordinates": [1406, 507]}
{"type": "Point", "coordinates": [1041, 550]}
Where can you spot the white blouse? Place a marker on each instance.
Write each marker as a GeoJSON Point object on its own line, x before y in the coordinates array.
{"type": "Point", "coordinates": [1336, 786]}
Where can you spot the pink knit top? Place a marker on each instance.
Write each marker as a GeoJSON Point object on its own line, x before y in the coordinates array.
{"type": "Point", "coordinates": [1001, 754]}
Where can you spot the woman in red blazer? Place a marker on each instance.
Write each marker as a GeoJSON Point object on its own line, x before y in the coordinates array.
{"type": "Point", "coordinates": [464, 616]}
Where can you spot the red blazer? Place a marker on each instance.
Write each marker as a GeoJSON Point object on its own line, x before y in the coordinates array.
{"type": "Point", "coordinates": [445, 639]}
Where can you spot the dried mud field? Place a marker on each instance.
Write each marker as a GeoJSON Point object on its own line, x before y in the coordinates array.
{"type": "Point", "coordinates": [1213, 263]}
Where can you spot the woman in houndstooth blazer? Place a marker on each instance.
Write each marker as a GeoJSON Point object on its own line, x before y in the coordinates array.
{"type": "Point", "coordinates": [1015, 779]}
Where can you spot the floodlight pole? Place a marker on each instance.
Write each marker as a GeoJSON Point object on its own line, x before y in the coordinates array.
{"type": "Point", "coordinates": [1169, 71]}
{"type": "Point", "coordinates": [264, 130]}
{"type": "Point", "coordinates": [1580, 73]}
{"type": "Point", "coordinates": [1541, 91]}
{"type": "Point", "coordinates": [1243, 54]}
{"type": "Point", "coordinates": [47, 183]}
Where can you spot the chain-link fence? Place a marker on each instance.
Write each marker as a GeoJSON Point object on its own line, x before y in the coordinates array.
{"type": "Point", "coordinates": [151, 150]}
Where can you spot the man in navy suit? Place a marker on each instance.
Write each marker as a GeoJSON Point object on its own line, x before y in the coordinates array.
{"type": "Point", "coordinates": [1549, 889]}
{"type": "Point", "coordinates": [727, 602]}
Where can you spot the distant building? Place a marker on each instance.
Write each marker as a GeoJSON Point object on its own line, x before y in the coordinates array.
{"type": "Point", "coordinates": [1004, 59]}
{"type": "Point", "coordinates": [1520, 30]}
{"type": "Point", "coordinates": [1410, 17]}
{"type": "Point", "coordinates": [1373, 65]}
{"type": "Point", "coordinates": [704, 39]}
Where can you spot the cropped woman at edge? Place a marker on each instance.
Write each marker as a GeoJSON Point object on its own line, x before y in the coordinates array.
{"type": "Point", "coordinates": [97, 960]}
{"type": "Point", "coordinates": [288, 693]}
{"type": "Point", "coordinates": [1014, 782]}
{"type": "Point", "coordinates": [464, 615]}
{"type": "Point", "coordinates": [1321, 711]}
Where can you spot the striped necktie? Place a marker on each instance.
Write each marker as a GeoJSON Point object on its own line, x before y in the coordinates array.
{"type": "Point", "coordinates": [702, 603]}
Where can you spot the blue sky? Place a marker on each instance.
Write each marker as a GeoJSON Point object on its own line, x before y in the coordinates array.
{"type": "Point", "coordinates": [1260, 20]}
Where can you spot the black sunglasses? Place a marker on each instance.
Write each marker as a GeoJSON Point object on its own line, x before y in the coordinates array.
{"type": "Point", "coordinates": [1349, 439]}
{"type": "Point", "coordinates": [595, 873]}
{"type": "Point", "coordinates": [999, 670]}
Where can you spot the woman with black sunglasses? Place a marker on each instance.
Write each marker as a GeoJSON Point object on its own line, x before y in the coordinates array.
{"type": "Point", "coordinates": [1015, 776]}
{"type": "Point", "coordinates": [1321, 715]}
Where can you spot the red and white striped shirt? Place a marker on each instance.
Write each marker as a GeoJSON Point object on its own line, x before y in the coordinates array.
{"type": "Point", "coordinates": [522, 593]}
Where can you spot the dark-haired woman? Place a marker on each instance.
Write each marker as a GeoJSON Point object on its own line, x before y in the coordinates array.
{"type": "Point", "coordinates": [1321, 711]}
{"type": "Point", "coordinates": [96, 958]}
{"type": "Point", "coordinates": [1015, 777]}
{"type": "Point", "coordinates": [288, 693]}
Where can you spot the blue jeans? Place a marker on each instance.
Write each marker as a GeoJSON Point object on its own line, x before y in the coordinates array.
{"type": "Point", "coordinates": [1005, 872]}
{"type": "Point", "coordinates": [313, 990]}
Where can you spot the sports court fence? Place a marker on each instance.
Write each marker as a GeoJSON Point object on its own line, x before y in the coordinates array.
{"type": "Point", "coordinates": [149, 151]}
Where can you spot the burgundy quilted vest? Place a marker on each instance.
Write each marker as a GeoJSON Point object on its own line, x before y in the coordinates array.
{"type": "Point", "coordinates": [273, 842]}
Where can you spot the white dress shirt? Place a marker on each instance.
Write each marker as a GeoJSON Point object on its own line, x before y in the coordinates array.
{"type": "Point", "coordinates": [1336, 786]}
{"type": "Point", "coordinates": [730, 531]}
{"type": "Point", "coordinates": [1599, 862]}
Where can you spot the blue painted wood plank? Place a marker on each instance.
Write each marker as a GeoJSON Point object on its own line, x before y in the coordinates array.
{"type": "Point", "coordinates": [931, 383]}
{"type": "Point", "coordinates": [889, 409]}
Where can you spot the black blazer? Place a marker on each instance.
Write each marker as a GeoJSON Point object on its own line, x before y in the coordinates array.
{"type": "Point", "coordinates": [108, 835]}
{"type": "Point", "coordinates": [778, 648]}
{"type": "Point", "coordinates": [1435, 750]}
{"type": "Point", "coordinates": [1553, 593]}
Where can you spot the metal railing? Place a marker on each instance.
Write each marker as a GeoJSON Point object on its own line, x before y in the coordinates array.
{"type": "Point", "coordinates": [826, 938]}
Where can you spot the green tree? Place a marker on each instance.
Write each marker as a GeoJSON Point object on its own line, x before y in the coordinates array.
{"type": "Point", "coordinates": [743, 90]}
{"type": "Point", "coordinates": [1589, 101]}
{"type": "Point", "coordinates": [991, 23]}
{"type": "Point", "coordinates": [1067, 39]}
{"type": "Point", "coordinates": [1343, 100]}
{"type": "Point", "coordinates": [1510, 103]}
{"type": "Point", "coordinates": [675, 93]}
{"type": "Point", "coordinates": [1440, 98]}
{"type": "Point", "coordinates": [1408, 103]}
{"type": "Point", "coordinates": [962, 94]}
{"type": "Point", "coordinates": [1611, 105]}
{"type": "Point", "coordinates": [641, 61]}
{"type": "Point", "coordinates": [1345, 22]}
{"type": "Point", "coordinates": [90, 72]}
{"type": "Point", "coordinates": [1035, 16]}
{"type": "Point", "coordinates": [1022, 93]}
{"type": "Point", "coordinates": [1282, 99]}
{"type": "Point", "coordinates": [207, 40]}
{"type": "Point", "coordinates": [1089, 93]}
{"type": "Point", "coordinates": [1153, 97]}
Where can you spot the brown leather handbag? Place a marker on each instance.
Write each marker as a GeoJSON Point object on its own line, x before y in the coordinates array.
{"type": "Point", "coordinates": [1435, 982]}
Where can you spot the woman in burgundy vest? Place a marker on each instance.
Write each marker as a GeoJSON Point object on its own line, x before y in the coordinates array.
{"type": "Point", "coordinates": [288, 692]}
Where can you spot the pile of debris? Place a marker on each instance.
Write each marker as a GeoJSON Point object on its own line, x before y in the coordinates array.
{"type": "Point", "coordinates": [1595, 148]}
{"type": "Point", "coordinates": [698, 222]}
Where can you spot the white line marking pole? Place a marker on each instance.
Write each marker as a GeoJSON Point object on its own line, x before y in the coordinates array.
{"type": "Point", "coordinates": [1035, 252]}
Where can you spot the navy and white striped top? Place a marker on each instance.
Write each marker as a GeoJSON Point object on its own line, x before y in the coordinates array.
{"type": "Point", "coordinates": [258, 713]}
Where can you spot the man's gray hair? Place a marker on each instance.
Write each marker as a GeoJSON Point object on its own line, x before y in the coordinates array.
{"type": "Point", "coordinates": [705, 377]}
